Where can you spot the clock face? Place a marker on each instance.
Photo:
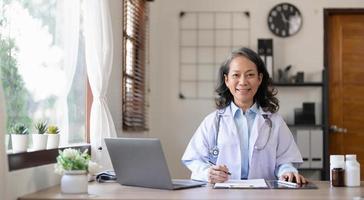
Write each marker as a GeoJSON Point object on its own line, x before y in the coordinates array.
{"type": "Point", "coordinates": [284, 20]}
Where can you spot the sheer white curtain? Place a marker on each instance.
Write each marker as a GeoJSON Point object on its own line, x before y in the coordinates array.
{"type": "Point", "coordinates": [70, 27]}
{"type": "Point", "coordinates": [99, 56]}
{"type": "Point", "coordinates": [3, 157]}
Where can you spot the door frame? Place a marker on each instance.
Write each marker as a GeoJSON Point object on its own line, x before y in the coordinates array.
{"type": "Point", "coordinates": [327, 13]}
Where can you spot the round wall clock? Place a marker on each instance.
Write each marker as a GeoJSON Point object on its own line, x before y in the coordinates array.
{"type": "Point", "coordinates": [284, 20]}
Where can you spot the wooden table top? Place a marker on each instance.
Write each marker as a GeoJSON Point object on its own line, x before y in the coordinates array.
{"type": "Point", "coordinates": [116, 191]}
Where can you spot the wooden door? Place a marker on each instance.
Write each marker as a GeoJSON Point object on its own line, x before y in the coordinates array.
{"type": "Point", "coordinates": [345, 64]}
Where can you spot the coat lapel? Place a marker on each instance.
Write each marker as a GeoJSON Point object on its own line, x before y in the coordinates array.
{"type": "Point", "coordinates": [232, 125]}
{"type": "Point", "coordinates": [233, 158]}
{"type": "Point", "coordinates": [256, 129]}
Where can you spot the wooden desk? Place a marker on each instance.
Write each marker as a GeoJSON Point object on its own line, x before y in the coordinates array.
{"type": "Point", "coordinates": [116, 191]}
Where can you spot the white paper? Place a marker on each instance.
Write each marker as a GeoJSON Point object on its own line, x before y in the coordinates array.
{"type": "Point", "coordinates": [251, 183]}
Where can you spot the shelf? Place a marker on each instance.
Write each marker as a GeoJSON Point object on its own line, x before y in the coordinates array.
{"type": "Point", "coordinates": [30, 158]}
{"type": "Point", "coordinates": [306, 84]}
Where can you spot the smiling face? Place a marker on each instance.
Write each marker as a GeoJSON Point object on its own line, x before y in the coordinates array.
{"type": "Point", "coordinates": [243, 81]}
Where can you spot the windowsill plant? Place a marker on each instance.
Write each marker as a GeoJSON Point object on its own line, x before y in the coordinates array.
{"type": "Point", "coordinates": [53, 137]}
{"type": "Point", "coordinates": [40, 138]}
{"type": "Point", "coordinates": [19, 138]}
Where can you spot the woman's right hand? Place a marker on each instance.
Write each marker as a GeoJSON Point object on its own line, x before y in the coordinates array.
{"type": "Point", "coordinates": [218, 174]}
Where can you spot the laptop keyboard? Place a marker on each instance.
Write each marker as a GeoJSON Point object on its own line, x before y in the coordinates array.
{"type": "Point", "coordinates": [177, 185]}
{"type": "Point", "coordinates": [184, 183]}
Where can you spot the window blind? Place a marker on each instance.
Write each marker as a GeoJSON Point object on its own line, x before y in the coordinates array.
{"type": "Point", "coordinates": [135, 13]}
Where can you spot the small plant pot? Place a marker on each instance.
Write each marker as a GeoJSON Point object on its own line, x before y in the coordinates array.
{"type": "Point", "coordinates": [39, 141]}
{"type": "Point", "coordinates": [53, 141]}
{"type": "Point", "coordinates": [74, 182]}
{"type": "Point", "coordinates": [19, 143]}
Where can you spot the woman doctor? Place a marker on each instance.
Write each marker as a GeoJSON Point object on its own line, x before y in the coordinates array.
{"type": "Point", "coordinates": [244, 138]}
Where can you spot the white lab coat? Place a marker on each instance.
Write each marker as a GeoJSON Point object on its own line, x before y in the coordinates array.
{"type": "Point", "coordinates": [280, 148]}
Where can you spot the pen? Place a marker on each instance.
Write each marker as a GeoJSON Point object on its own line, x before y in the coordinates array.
{"type": "Point", "coordinates": [287, 183]}
{"type": "Point", "coordinates": [214, 165]}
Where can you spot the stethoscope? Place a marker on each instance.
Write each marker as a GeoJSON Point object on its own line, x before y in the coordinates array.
{"type": "Point", "coordinates": [214, 152]}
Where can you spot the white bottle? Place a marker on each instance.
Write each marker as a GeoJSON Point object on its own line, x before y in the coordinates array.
{"type": "Point", "coordinates": [352, 171]}
{"type": "Point", "coordinates": [336, 161]}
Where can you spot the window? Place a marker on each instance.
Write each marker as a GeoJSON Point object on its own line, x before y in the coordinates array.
{"type": "Point", "coordinates": [134, 65]}
{"type": "Point", "coordinates": [42, 65]}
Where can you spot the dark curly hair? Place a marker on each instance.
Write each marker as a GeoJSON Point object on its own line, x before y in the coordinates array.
{"type": "Point", "coordinates": [265, 96]}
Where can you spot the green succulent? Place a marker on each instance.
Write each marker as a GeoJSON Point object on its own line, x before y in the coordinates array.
{"type": "Point", "coordinates": [53, 129]}
{"type": "Point", "coordinates": [20, 129]}
{"type": "Point", "coordinates": [41, 127]}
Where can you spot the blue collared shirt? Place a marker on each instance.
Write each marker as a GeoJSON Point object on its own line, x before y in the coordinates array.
{"type": "Point", "coordinates": [244, 122]}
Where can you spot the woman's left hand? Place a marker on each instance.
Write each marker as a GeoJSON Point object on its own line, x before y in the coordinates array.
{"type": "Point", "coordinates": [290, 176]}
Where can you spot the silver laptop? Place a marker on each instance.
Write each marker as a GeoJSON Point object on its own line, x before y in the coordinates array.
{"type": "Point", "coordinates": [141, 162]}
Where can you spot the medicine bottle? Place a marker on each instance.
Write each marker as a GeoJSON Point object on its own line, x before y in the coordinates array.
{"type": "Point", "coordinates": [336, 161]}
{"type": "Point", "coordinates": [338, 177]}
{"type": "Point", "coordinates": [352, 171]}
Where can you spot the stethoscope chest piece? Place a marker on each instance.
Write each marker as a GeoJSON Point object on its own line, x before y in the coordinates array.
{"type": "Point", "coordinates": [214, 152]}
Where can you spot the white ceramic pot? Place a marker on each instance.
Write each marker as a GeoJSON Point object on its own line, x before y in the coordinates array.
{"type": "Point", "coordinates": [74, 182]}
{"type": "Point", "coordinates": [53, 141]}
{"type": "Point", "coordinates": [19, 143]}
{"type": "Point", "coordinates": [39, 141]}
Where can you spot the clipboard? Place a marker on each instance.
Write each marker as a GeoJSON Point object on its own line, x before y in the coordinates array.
{"type": "Point", "coordinates": [262, 184]}
{"type": "Point", "coordinates": [243, 184]}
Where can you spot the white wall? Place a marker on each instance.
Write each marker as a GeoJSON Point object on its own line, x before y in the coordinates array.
{"type": "Point", "coordinates": [174, 120]}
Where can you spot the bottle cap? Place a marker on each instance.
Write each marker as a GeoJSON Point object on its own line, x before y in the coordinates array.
{"type": "Point", "coordinates": [337, 158]}
{"type": "Point", "coordinates": [350, 156]}
{"type": "Point", "coordinates": [337, 161]}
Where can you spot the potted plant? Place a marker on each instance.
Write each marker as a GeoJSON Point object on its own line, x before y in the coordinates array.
{"type": "Point", "coordinates": [74, 167]}
{"type": "Point", "coordinates": [53, 137]}
{"type": "Point", "coordinates": [40, 138]}
{"type": "Point", "coordinates": [19, 138]}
